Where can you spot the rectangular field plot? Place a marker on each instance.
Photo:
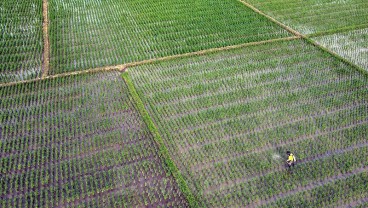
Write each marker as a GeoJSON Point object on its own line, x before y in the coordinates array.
{"type": "Point", "coordinates": [228, 119]}
{"type": "Point", "coordinates": [89, 34]}
{"type": "Point", "coordinates": [311, 16]}
{"type": "Point", "coordinates": [20, 40]}
{"type": "Point", "coordinates": [78, 141]}
{"type": "Point", "coordinates": [352, 45]}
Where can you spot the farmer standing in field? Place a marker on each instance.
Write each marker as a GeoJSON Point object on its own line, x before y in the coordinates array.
{"type": "Point", "coordinates": [291, 159]}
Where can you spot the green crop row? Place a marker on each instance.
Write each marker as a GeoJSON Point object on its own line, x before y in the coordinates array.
{"type": "Point", "coordinates": [79, 141]}
{"type": "Point", "coordinates": [315, 16]}
{"type": "Point", "coordinates": [264, 186]}
{"type": "Point", "coordinates": [351, 45]}
{"type": "Point", "coordinates": [351, 189]}
{"type": "Point", "coordinates": [229, 117]}
{"type": "Point", "coordinates": [93, 34]}
{"type": "Point", "coordinates": [21, 42]}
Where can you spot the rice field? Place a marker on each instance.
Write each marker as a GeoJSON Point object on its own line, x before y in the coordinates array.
{"type": "Point", "coordinates": [312, 16]}
{"type": "Point", "coordinates": [228, 119]}
{"type": "Point", "coordinates": [171, 103]}
{"type": "Point", "coordinates": [79, 141]}
{"type": "Point", "coordinates": [20, 40]}
{"type": "Point", "coordinates": [89, 34]}
{"type": "Point", "coordinates": [352, 45]}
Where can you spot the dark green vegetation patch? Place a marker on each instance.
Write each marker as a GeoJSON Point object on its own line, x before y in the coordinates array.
{"type": "Point", "coordinates": [89, 34]}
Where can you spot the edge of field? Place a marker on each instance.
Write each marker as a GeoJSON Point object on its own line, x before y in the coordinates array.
{"type": "Point", "coordinates": [46, 43]}
{"type": "Point", "coordinates": [123, 67]}
{"type": "Point", "coordinates": [163, 151]}
{"type": "Point", "coordinates": [308, 38]}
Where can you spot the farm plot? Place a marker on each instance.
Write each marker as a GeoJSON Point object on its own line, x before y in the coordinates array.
{"type": "Point", "coordinates": [352, 45]}
{"type": "Point", "coordinates": [20, 40]}
{"type": "Point", "coordinates": [78, 141]}
{"type": "Point", "coordinates": [89, 34]}
{"type": "Point", "coordinates": [315, 15]}
{"type": "Point", "coordinates": [228, 118]}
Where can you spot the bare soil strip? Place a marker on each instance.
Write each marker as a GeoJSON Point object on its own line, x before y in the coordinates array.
{"type": "Point", "coordinates": [207, 51]}
{"type": "Point", "coordinates": [229, 184]}
{"type": "Point", "coordinates": [312, 186]}
{"type": "Point", "coordinates": [46, 45]}
{"type": "Point", "coordinates": [123, 67]}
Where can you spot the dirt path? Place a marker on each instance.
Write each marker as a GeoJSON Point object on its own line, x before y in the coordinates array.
{"type": "Point", "coordinates": [290, 30]}
{"type": "Point", "coordinates": [123, 67]}
{"type": "Point", "coordinates": [46, 44]}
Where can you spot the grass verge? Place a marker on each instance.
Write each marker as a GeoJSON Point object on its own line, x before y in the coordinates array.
{"type": "Point", "coordinates": [163, 151]}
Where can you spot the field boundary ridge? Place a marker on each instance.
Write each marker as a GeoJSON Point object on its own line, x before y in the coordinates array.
{"type": "Point", "coordinates": [287, 28]}
{"type": "Point", "coordinates": [123, 67]}
{"type": "Point", "coordinates": [163, 151]}
{"type": "Point", "coordinates": [307, 39]}
{"type": "Point", "coordinates": [46, 43]}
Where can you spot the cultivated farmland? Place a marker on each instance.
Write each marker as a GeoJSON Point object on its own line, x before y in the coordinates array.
{"type": "Point", "coordinates": [352, 45]}
{"type": "Point", "coordinates": [20, 40]}
{"type": "Point", "coordinates": [194, 103]}
{"type": "Point", "coordinates": [89, 34]}
{"type": "Point", "coordinates": [311, 16]}
{"type": "Point", "coordinates": [228, 117]}
{"type": "Point", "coordinates": [78, 141]}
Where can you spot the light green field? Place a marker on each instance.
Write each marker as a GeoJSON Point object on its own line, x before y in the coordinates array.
{"type": "Point", "coordinates": [311, 16]}
{"type": "Point", "coordinates": [352, 45]}
{"type": "Point", "coordinates": [89, 34]}
{"type": "Point", "coordinates": [20, 40]}
{"type": "Point", "coordinates": [78, 141]}
{"type": "Point", "coordinates": [229, 117]}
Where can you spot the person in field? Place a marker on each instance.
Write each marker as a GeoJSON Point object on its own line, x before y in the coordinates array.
{"type": "Point", "coordinates": [291, 159]}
